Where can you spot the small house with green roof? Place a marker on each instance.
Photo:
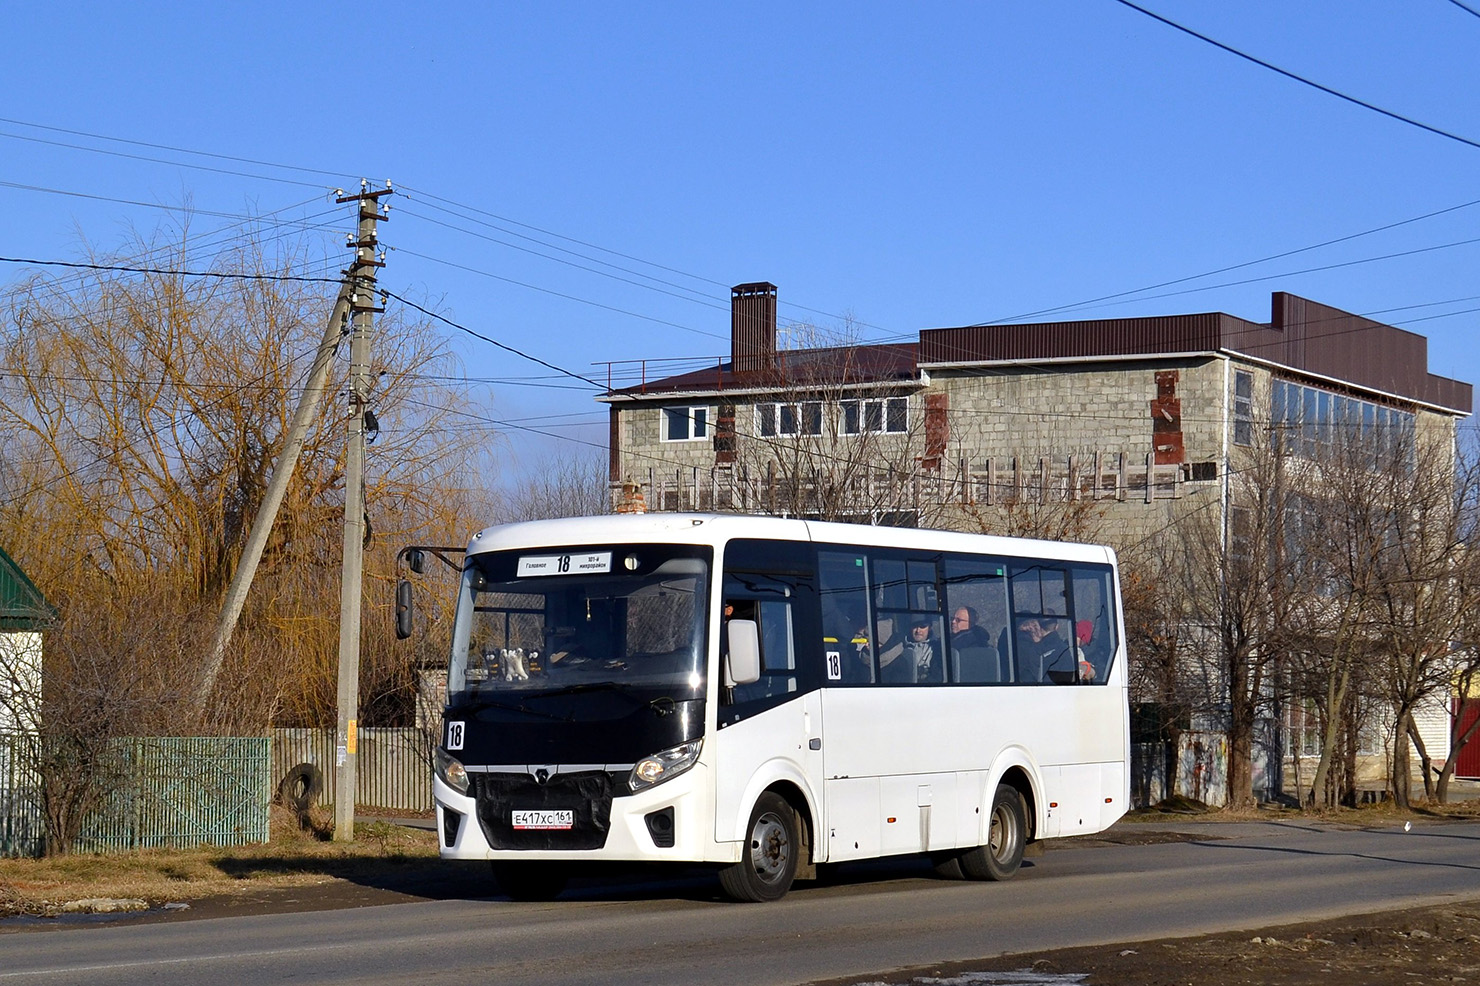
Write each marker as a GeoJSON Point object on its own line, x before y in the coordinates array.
{"type": "Point", "coordinates": [24, 614]}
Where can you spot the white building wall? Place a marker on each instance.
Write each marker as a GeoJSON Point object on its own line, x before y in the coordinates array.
{"type": "Point", "coordinates": [1432, 719]}
{"type": "Point", "coordinates": [20, 680]}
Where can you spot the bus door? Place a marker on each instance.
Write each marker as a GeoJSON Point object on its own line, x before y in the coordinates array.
{"type": "Point", "coordinates": [897, 741]}
{"type": "Point", "coordinates": [770, 731]}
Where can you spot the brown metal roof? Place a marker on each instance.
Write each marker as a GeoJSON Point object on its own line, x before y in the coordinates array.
{"type": "Point", "coordinates": [799, 369]}
{"type": "Point", "coordinates": [1301, 334]}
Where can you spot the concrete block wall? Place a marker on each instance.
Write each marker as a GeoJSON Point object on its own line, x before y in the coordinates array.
{"type": "Point", "coordinates": [1079, 408]}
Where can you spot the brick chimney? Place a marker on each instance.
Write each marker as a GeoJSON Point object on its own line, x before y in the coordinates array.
{"type": "Point", "coordinates": [753, 327]}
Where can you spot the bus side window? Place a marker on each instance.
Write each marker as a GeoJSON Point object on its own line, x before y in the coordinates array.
{"type": "Point", "coordinates": [909, 630]}
{"type": "Point", "coordinates": [1094, 625]}
{"type": "Point", "coordinates": [778, 652]}
{"type": "Point", "coordinates": [977, 620]}
{"type": "Point", "coordinates": [846, 625]}
{"type": "Point", "coordinates": [1041, 632]}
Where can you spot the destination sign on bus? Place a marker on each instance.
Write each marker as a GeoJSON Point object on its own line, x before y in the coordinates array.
{"type": "Point", "coordinates": [577, 564]}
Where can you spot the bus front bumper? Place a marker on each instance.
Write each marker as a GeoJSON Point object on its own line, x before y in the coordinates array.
{"type": "Point", "coordinates": [672, 811]}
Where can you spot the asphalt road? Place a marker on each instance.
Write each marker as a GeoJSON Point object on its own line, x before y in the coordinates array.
{"type": "Point", "coordinates": [872, 919]}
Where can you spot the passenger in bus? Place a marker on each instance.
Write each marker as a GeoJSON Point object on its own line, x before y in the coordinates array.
{"type": "Point", "coordinates": [1084, 632]}
{"type": "Point", "coordinates": [1043, 654]}
{"type": "Point", "coordinates": [904, 661]}
{"type": "Point", "coordinates": [977, 659]}
{"type": "Point", "coordinates": [922, 650]}
{"type": "Point", "coordinates": [847, 629]}
{"type": "Point", "coordinates": [965, 631]}
{"type": "Point", "coordinates": [892, 646]}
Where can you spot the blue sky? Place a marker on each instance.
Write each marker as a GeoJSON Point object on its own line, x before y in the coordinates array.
{"type": "Point", "coordinates": [903, 165]}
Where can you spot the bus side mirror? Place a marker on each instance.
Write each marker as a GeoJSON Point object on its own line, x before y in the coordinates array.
{"type": "Point", "coordinates": [743, 666]}
{"type": "Point", "coordinates": [417, 560]}
{"type": "Point", "coordinates": [405, 613]}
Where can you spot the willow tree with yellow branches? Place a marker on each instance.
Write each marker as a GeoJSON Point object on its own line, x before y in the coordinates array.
{"type": "Point", "coordinates": [141, 415]}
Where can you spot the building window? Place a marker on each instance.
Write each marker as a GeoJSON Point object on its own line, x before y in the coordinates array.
{"type": "Point", "coordinates": [788, 419]}
{"type": "Point", "coordinates": [1310, 423]}
{"type": "Point", "coordinates": [887, 414]}
{"type": "Point", "coordinates": [685, 424]}
{"type": "Point", "coordinates": [1243, 408]}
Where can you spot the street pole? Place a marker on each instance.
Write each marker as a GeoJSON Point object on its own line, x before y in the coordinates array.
{"type": "Point", "coordinates": [362, 306]}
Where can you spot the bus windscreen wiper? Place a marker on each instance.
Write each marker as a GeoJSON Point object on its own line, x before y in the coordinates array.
{"type": "Point", "coordinates": [663, 705]}
{"type": "Point", "coordinates": [484, 703]}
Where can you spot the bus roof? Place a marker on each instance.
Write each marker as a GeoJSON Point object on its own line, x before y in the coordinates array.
{"type": "Point", "coordinates": [715, 529]}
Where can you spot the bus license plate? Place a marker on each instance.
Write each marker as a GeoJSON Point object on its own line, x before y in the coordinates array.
{"type": "Point", "coordinates": [546, 820]}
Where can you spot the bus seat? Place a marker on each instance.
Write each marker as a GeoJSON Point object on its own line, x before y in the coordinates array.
{"type": "Point", "coordinates": [978, 664]}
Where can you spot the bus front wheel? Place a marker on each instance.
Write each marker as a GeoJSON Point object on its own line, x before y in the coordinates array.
{"type": "Point", "coordinates": [1007, 828]}
{"type": "Point", "coordinates": [768, 861]}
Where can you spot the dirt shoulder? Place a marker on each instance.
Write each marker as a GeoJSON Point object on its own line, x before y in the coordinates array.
{"type": "Point", "coordinates": [1421, 946]}
{"type": "Point", "coordinates": [297, 870]}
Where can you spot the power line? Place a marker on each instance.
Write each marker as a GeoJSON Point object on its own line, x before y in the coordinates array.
{"type": "Point", "coordinates": [494, 342]}
{"type": "Point", "coordinates": [703, 298]}
{"type": "Point", "coordinates": [217, 238]}
{"type": "Point", "coordinates": [624, 256]}
{"type": "Point", "coordinates": [1233, 267]}
{"type": "Point", "coordinates": [125, 268]}
{"type": "Point", "coordinates": [557, 294]}
{"type": "Point", "coordinates": [169, 147]}
{"type": "Point", "coordinates": [108, 198]}
{"type": "Point", "coordinates": [707, 302]}
{"type": "Point", "coordinates": [1300, 78]}
{"type": "Point", "coordinates": [1296, 273]}
{"type": "Point", "coordinates": [1466, 8]}
{"type": "Point", "coordinates": [156, 160]}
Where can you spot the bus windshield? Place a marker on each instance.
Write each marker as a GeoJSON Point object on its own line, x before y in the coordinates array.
{"type": "Point", "coordinates": [561, 619]}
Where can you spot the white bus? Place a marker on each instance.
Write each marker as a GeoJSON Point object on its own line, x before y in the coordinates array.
{"type": "Point", "coordinates": [767, 695]}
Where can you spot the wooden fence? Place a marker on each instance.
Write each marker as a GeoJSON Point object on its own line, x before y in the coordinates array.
{"type": "Point", "coordinates": [990, 481]}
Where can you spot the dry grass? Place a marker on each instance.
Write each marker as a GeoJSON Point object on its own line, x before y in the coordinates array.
{"type": "Point", "coordinates": [294, 857]}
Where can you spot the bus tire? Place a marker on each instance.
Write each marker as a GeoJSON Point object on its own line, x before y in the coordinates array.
{"type": "Point", "coordinates": [530, 880]}
{"type": "Point", "coordinates": [768, 861]}
{"type": "Point", "coordinates": [1007, 829]}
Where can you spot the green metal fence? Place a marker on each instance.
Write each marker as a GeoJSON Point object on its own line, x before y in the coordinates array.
{"type": "Point", "coordinates": [21, 831]}
{"type": "Point", "coordinates": [168, 791]}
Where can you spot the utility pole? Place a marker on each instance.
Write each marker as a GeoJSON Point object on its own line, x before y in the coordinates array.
{"type": "Point", "coordinates": [362, 306]}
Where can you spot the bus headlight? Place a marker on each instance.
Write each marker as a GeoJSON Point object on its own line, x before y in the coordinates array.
{"type": "Point", "coordinates": [450, 770]}
{"type": "Point", "coordinates": [663, 765]}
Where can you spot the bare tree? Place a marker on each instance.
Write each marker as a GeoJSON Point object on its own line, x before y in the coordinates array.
{"type": "Point", "coordinates": [1352, 523]}
{"type": "Point", "coordinates": [573, 486]}
{"type": "Point", "coordinates": [839, 438]}
{"type": "Point", "coordinates": [140, 419]}
{"type": "Point", "coordinates": [1167, 670]}
{"type": "Point", "coordinates": [1422, 594]}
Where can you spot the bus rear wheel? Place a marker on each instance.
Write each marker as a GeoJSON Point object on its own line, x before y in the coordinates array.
{"type": "Point", "coordinates": [1007, 829]}
{"type": "Point", "coordinates": [531, 880]}
{"type": "Point", "coordinates": [768, 862]}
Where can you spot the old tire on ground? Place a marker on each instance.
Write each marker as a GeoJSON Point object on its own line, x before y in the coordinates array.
{"type": "Point", "coordinates": [301, 787]}
{"type": "Point", "coordinates": [1007, 829]}
{"type": "Point", "coordinates": [531, 880]}
{"type": "Point", "coordinates": [768, 860]}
